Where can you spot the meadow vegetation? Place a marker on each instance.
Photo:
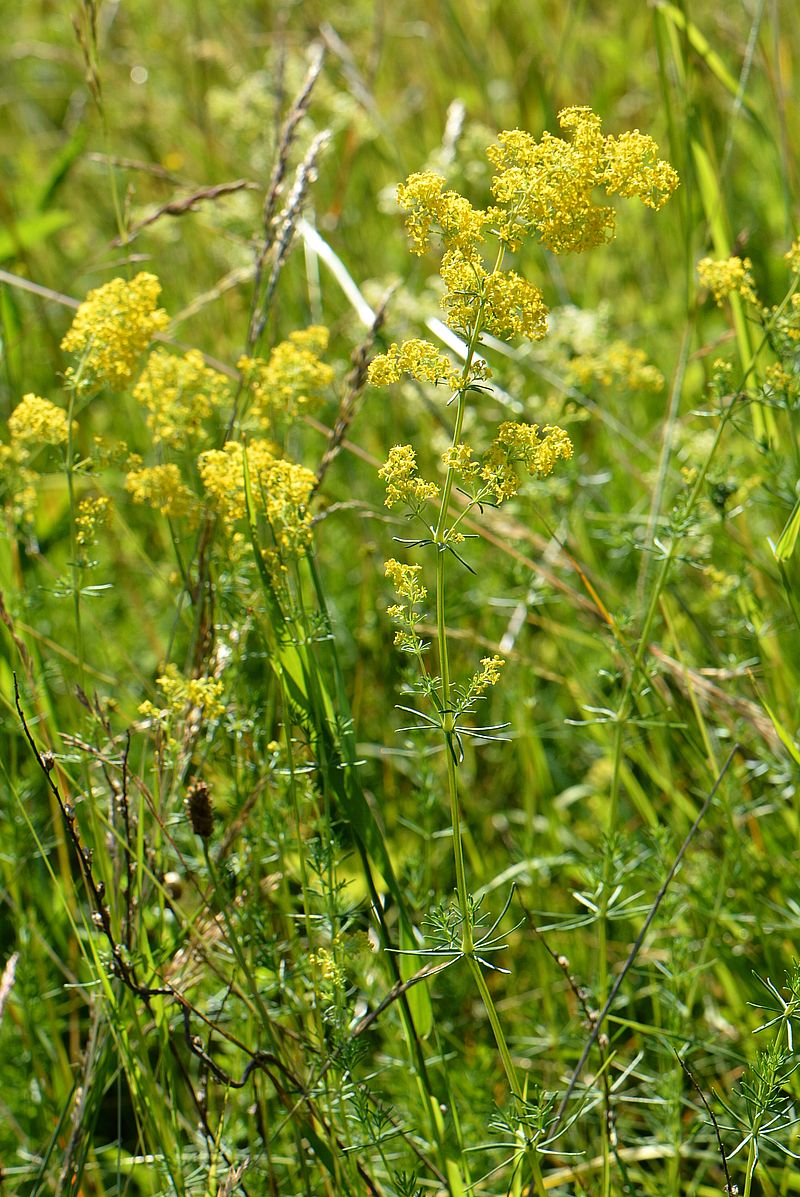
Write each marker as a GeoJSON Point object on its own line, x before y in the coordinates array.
{"type": "Point", "coordinates": [399, 599]}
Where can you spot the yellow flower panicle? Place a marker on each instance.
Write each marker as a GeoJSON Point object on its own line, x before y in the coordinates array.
{"type": "Point", "coordinates": [633, 169]}
{"type": "Point", "coordinates": [790, 322]}
{"type": "Point", "coordinates": [459, 458]}
{"type": "Point", "coordinates": [514, 307]}
{"type": "Point", "coordinates": [280, 490]}
{"type": "Point", "coordinates": [182, 695]}
{"type": "Point", "coordinates": [547, 185]}
{"type": "Point", "coordinates": [792, 256]}
{"type": "Point", "coordinates": [727, 276]}
{"type": "Point", "coordinates": [92, 514]}
{"type": "Point", "coordinates": [617, 364]}
{"type": "Point", "coordinates": [403, 483]}
{"type": "Point", "coordinates": [161, 488]}
{"type": "Point", "coordinates": [37, 421]}
{"type": "Point", "coordinates": [291, 379]}
{"type": "Point", "coordinates": [112, 328]}
{"type": "Point", "coordinates": [465, 278]}
{"type": "Point", "coordinates": [511, 305]}
{"type": "Point", "coordinates": [522, 444]}
{"type": "Point", "coordinates": [430, 207]}
{"type": "Point", "coordinates": [417, 358]}
{"type": "Point", "coordinates": [180, 394]}
{"type": "Point", "coordinates": [779, 381]}
{"type": "Point", "coordinates": [405, 579]}
{"type": "Point", "coordinates": [203, 693]}
{"type": "Point", "coordinates": [488, 674]}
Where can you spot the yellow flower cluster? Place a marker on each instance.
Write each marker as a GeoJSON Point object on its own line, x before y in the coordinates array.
{"type": "Point", "coordinates": [727, 276]}
{"type": "Point", "coordinates": [403, 483]}
{"type": "Point", "coordinates": [37, 421]}
{"type": "Point", "coordinates": [33, 422]}
{"type": "Point", "coordinates": [633, 170]}
{"type": "Point", "coordinates": [180, 394]}
{"type": "Point", "coordinates": [407, 584]}
{"type": "Point", "coordinates": [511, 305]}
{"type": "Point", "coordinates": [789, 322]}
{"type": "Point", "coordinates": [617, 364]}
{"type": "Point", "coordinates": [280, 490]}
{"type": "Point", "coordinates": [405, 579]}
{"type": "Point", "coordinates": [792, 256]}
{"type": "Point", "coordinates": [778, 380]}
{"type": "Point", "coordinates": [92, 514]}
{"type": "Point", "coordinates": [418, 358]}
{"type": "Point", "coordinates": [430, 207]}
{"type": "Point", "coordinates": [183, 694]}
{"type": "Point", "coordinates": [291, 379]}
{"type": "Point", "coordinates": [521, 444]}
{"type": "Point", "coordinates": [547, 185]}
{"type": "Point", "coordinates": [18, 484]}
{"type": "Point", "coordinates": [487, 675]}
{"type": "Point", "coordinates": [161, 488]}
{"type": "Point", "coordinates": [459, 458]}
{"type": "Point", "coordinates": [514, 307]}
{"type": "Point", "coordinates": [329, 968]}
{"type": "Point", "coordinates": [112, 328]}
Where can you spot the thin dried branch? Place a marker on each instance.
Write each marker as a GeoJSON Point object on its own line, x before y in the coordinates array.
{"type": "Point", "coordinates": [179, 207]}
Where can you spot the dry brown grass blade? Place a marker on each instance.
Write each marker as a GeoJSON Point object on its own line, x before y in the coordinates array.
{"type": "Point", "coordinates": [180, 207]}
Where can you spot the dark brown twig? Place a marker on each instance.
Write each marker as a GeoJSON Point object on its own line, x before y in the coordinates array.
{"type": "Point", "coordinates": [729, 1186]}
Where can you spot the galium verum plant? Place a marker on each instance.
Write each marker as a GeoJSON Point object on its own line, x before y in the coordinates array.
{"type": "Point", "coordinates": [541, 188]}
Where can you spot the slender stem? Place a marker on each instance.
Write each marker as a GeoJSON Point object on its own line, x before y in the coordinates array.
{"type": "Point", "coordinates": [494, 1019]}
{"type": "Point", "coordinates": [449, 727]}
{"type": "Point", "coordinates": [751, 1167]}
{"type": "Point", "coordinates": [75, 566]}
{"type": "Point", "coordinates": [467, 943]}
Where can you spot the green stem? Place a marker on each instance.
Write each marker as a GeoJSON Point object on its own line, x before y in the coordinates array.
{"type": "Point", "coordinates": [467, 943]}
{"type": "Point", "coordinates": [751, 1167]}
{"type": "Point", "coordinates": [448, 716]}
{"type": "Point", "coordinates": [73, 540]}
{"type": "Point", "coordinates": [448, 727]}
